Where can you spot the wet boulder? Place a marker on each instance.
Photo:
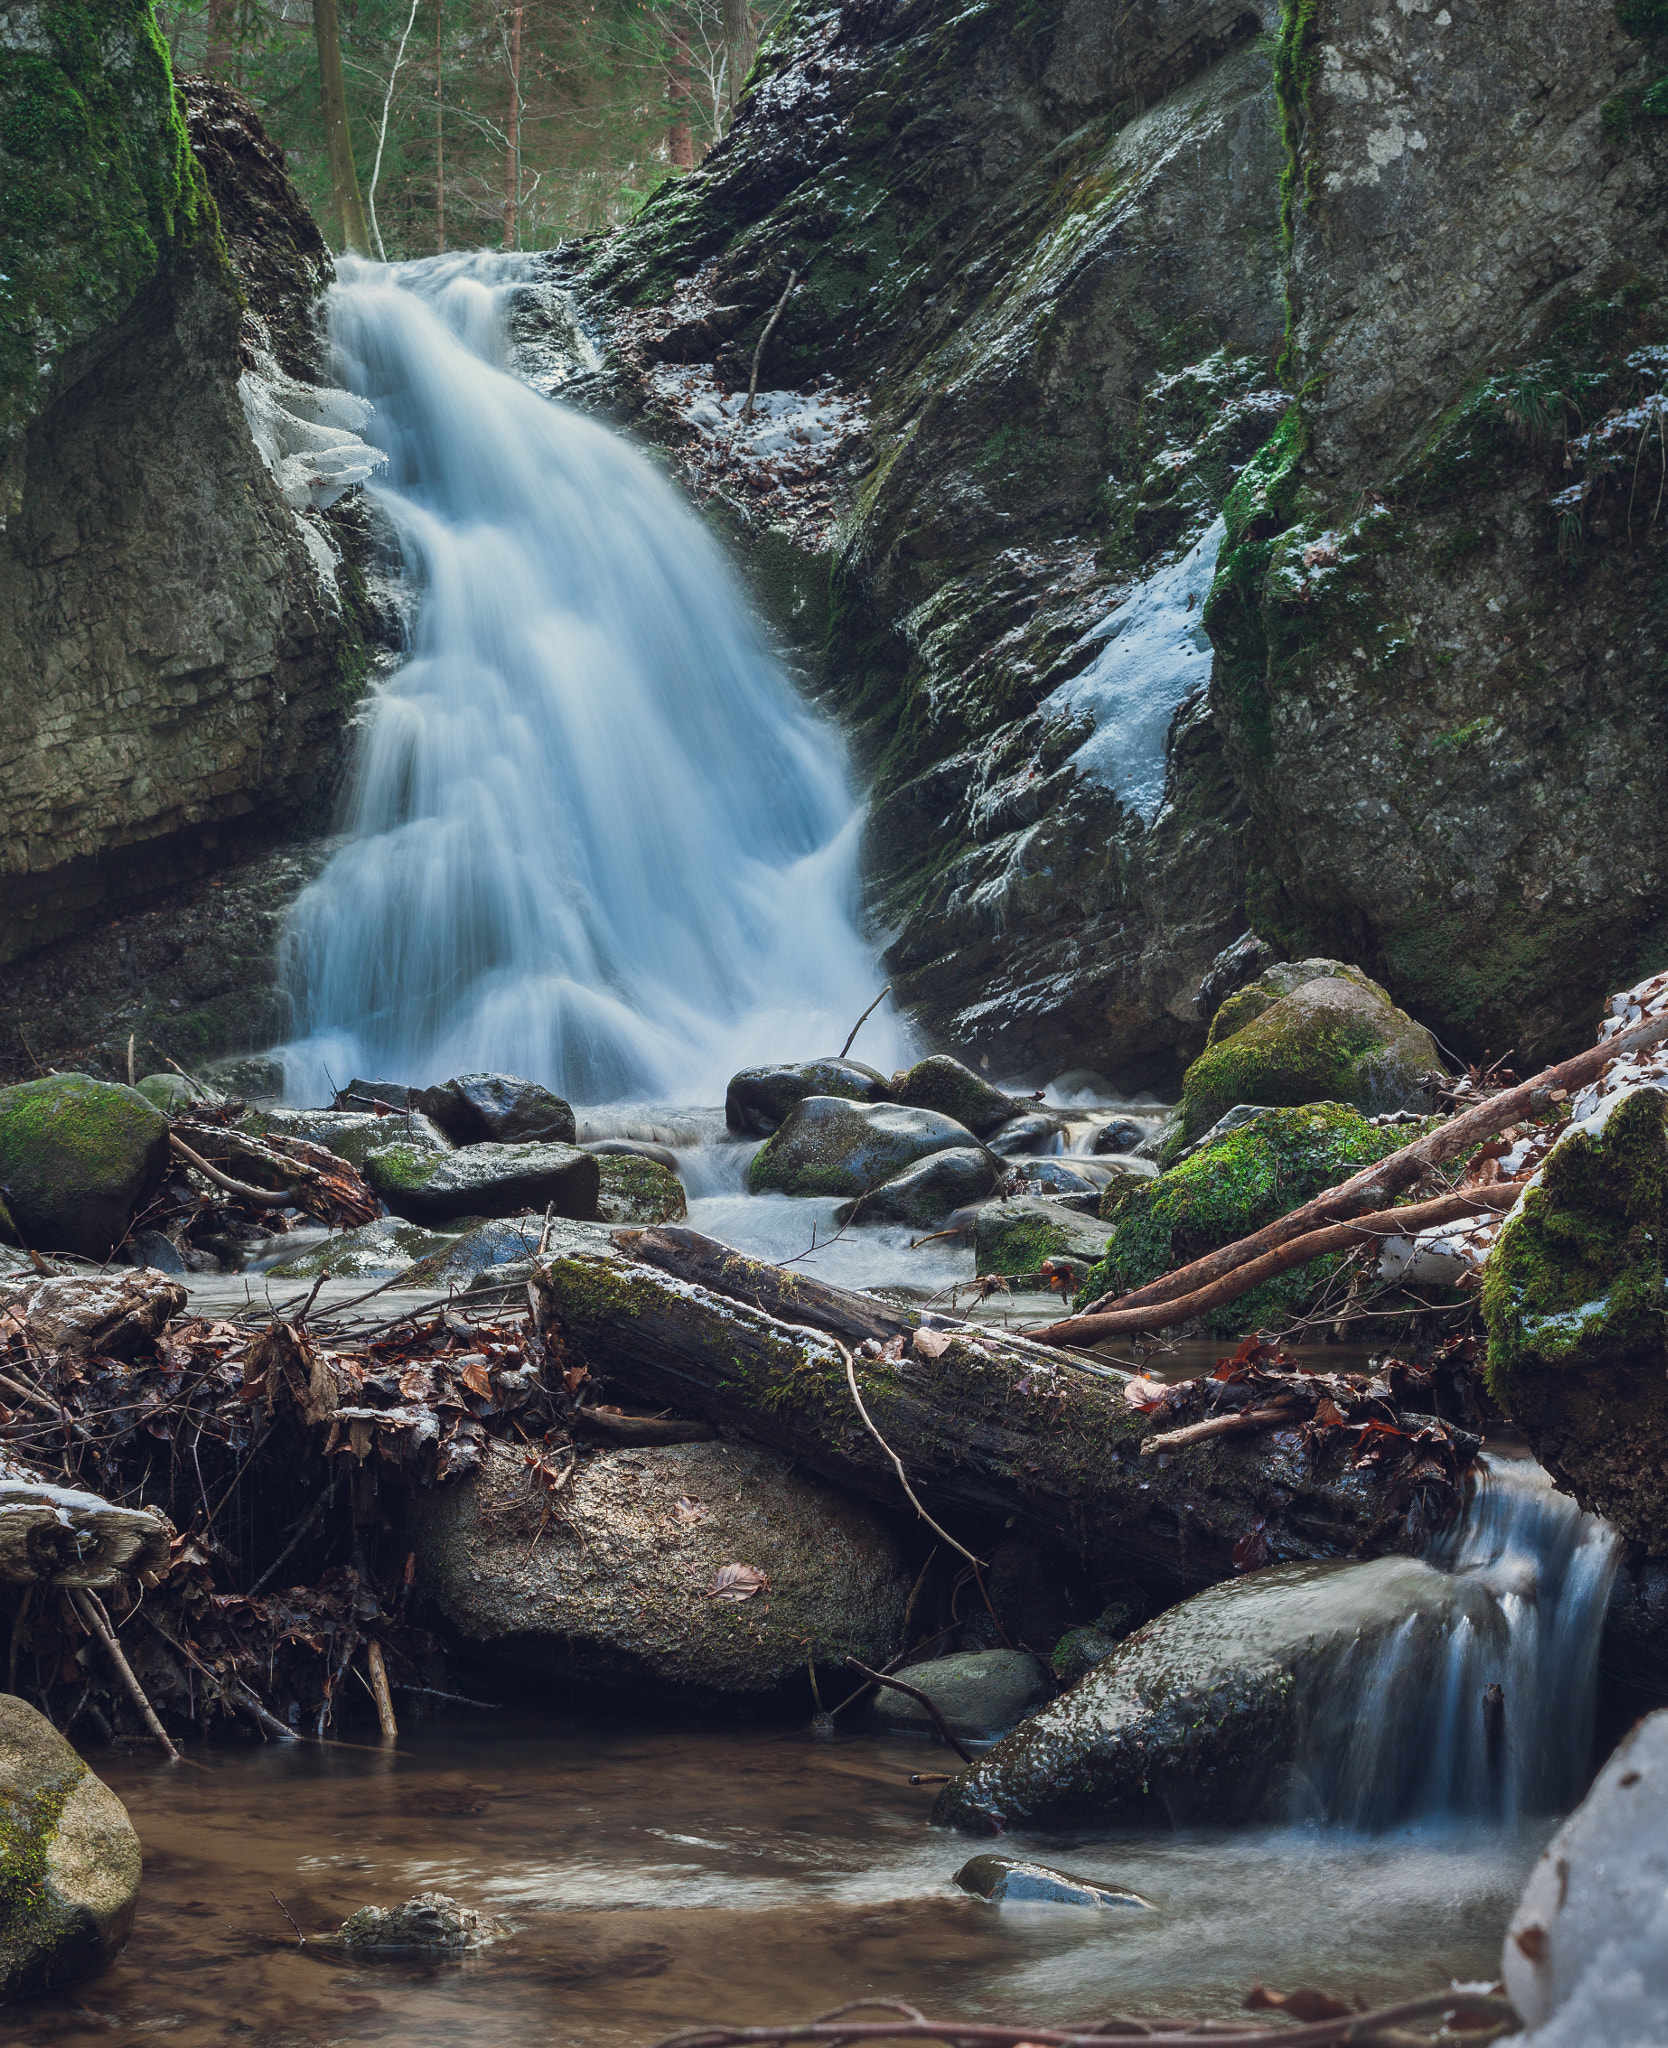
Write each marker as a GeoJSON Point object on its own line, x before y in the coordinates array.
{"type": "Point", "coordinates": [979, 1692]}
{"type": "Point", "coordinates": [1018, 1234]}
{"type": "Point", "coordinates": [69, 1860]}
{"type": "Point", "coordinates": [1211, 1712]}
{"type": "Point", "coordinates": [1258, 1168]}
{"type": "Point", "coordinates": [944, 1084]}
{"type": "Point", "coordinates": [432, 1923]}
{"type": "Point", "coordinates": [375, 1251]}
{"type": "Point", "coordinates": [1312, 1031]}
{"type": "Point", "coordinates": [497, 1109]}
{"type": "Point", "coordinates": [1121, 1135]}
{"type": "Point", "coordinates": [759, 1100]}
{"type": "Point", "coordinates": [492, 1248]}
{"type": "Point", "coordinates": [1573, 1297]}
{"type": "Point", "coordinates": [831, 1146]}
{"type": "Point", "coordinates": [636, 1189]}
{"type": "Point", "coordinates": [1585, 1957]}
{"type": "Point", "coordinates": [78, 1158]}
{"type": "Point", "coordinates": [701, 1572]}
{"type": "Point", "coordinates": [351, 1134]}
{"type": "Point", "coordinates": [924, 1194]}
{"type": "Point", "coordinates": [1006, 1881]}
{"type": "Point", "coordinates": [1037, 1132]}
{"type": "Point", "coordinates": [430, 1187]}
{"type": "Point", "coordinates": [1079, 1650]}
{"type": "Point", "coordinates": [172, 1093]}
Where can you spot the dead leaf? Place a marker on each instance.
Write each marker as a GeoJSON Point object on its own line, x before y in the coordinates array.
{"type": "Point", "coordinates": [575, 1377]}
{"type": "Point", "coordinates": [1144, 1394]}
{"type": "Point", "coordinates": [1306, 2006]}
{"type": "Point", "coordinates": [688, 1510]}
{"type": "Point", "coordinates": [1328, 1415]}
{"type": "Point", "coordinates": [477, 1379]}
{"type": "Point", "coordinates": [931, 1343]}
{"type": "Point", "coordinates": [1253, 1551]}
{"type": "Point", "coordinates": [737, 1582]}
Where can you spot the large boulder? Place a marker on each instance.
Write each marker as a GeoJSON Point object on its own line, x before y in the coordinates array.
{"type": "Point", "coordinates": [1585, 1959]}
{"type": "Point", "coordinates": [624, 1581]}
{"type": "Point", "coordinates": [1015, 1236]}
{"type": "Point", "coordinates": [926, 1193]}
{"type": "Point", "coordinates": [760, 1099]}
{"type": "Point", "coordinates": [432, 1187]}
{"type": "Point", "coordinates": [636, 1189]}
{"type": "Point", "coordinates": [352, 1135]}
{"type": "Point", "coordinates": [1210, 1712]}
{"type": "Point", "coordinates": [501, 1109]}
{"type": "Point", "coordinates": [374, 1251]}
{"type": "Point", "coordinates": [495, 1249]}
{"type": "Point", "coordinates": [978, 1692]}
{"type": "Point", "coordinates": [69, 1860]}
{"type": "Point", "coordinates": [944, 1084]}
{"type": "Point", "coordinates": [1333, 1036]}
{"type": "Point", "coordinates": [831, 1146]}
{"type": "Point", "coordinates": [78, 1158]}
{"type": "Point", "coordinates": [1263, 1164]}
{"type": "Point", "coordinates": [1573, 1296]}
{"type": "Point", "coordinates": [172, 1093]}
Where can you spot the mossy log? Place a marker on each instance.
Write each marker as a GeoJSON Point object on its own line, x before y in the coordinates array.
{"type": "Point", "coordinates": [991, 1431]}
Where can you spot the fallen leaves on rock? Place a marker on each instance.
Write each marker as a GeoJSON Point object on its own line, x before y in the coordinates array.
{"type": "Point", "coordinates": [737, 1582]}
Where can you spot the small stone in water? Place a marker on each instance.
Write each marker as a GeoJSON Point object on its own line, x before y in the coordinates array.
{"type": "Point", "coordinates": [429, 1921]}
{"type": "Point", "coordinates": [1004, 1881]}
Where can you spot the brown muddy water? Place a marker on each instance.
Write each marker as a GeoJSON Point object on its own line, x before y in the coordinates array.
{"type": "Point", "coordinates": [658, 1878]}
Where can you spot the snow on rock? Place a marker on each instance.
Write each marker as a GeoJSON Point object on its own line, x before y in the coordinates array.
{"type": "Point", "coordinates": [1585, 1958]}
{"type": "Point", "coordinates": [308, 437]}
{"type": "Point", "coordinates": [1157, 656]}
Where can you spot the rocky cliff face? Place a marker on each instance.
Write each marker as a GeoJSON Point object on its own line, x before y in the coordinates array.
{"type": "Point", "coordinates": [1367, 274]}
{"type": "Point", "coordinates": [180, 642]}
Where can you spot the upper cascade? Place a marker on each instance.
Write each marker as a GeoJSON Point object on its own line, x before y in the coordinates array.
{"type": "Point", "coordinates": [594, 837]}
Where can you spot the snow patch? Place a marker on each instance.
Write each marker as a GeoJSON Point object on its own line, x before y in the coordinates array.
{"type": "Point", "coordinates": [308, 436]}
{"type": "Point", "coordinates": [1157, 656]}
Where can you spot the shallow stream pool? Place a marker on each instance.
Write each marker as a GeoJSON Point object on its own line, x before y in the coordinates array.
{"type": "Point", "coordinates": [658, 1878]}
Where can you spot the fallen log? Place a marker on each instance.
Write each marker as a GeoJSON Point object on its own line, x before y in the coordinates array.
{"type": "Point", "coordinates": [1092, 1328]}
{"type": "Point", "coordinates": [1374, 1186]}
{"type": "Point", "coordinates": [989, 1430]}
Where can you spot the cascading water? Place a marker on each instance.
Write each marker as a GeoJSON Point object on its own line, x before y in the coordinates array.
{"type": "Point", "coordinates": [1481, 1706]}
{"type": "Point", "coordinates": [593, 836]}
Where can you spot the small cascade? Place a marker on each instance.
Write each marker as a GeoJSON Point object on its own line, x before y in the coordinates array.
{"type": "Point", "coordinates": [593, 835]}
{"type": "Point", "coordinates": [1482, 1704]}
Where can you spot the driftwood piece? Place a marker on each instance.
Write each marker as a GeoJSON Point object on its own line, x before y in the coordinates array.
{"type": "Point", "coordinates": [60, 1536]}
{"type": "Point", "coordinates": [988, 1429]}
{"type": "Point", "coordinates": [1375, 1186]}
{"type": "Point", "coordinates": [114, 1314]}
{"type": "Point", "coordinates": [638, 1432]}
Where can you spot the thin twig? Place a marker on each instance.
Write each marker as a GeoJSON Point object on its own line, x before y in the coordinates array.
{"type": "Point", "coordinates": [921, 1699]}
{"type": "Point", "coordinates": [758, 355]}
{"type": "Point", "coordinates": [867, 1014]}
{"type": "Point", "coordinates": [88, 1606]}
{"type": "Point", "coordinates": [300, 1938]}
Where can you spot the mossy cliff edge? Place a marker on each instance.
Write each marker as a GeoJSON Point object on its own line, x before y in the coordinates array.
{"type": "Point", "coordinates": [1354, 272]}
{"type": "Point", "coordinates": [174, 669]}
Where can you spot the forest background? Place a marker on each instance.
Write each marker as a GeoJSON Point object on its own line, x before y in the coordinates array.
{"type": "Point", "coordinates": [413, 126]}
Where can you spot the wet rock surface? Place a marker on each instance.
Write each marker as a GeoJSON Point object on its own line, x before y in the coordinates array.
{"type": "Point", "coordinates": [1005, 1881]}
{"type": "Point", "coordinates": [978, 1692]}
{"type": "Point", "coordinates": [759, 1100]}
{"type": "Point", "coordinates": [944, 1084]}
{"type": "Point", "coordinates": [78, 1157]}
{"type": "Point", "coordinates": [830, 1146]}
{"type": "Point", "coordinates": [619, 1581]}
{"type": "Point", "coordinates": [69, 1860]}
{"type": "Point", "coordinates": [432, 1923]}
{"type": "Point", "coordinates": [503, 1109]}
{"type": "Point", "coordinates": [925, 1194]}
{"type": "Point", "coordinates": [636, 1189]}
{"type": "Point", "coordinates": [484, 1180]}
{"type": "Point", "coordinates": [1018, 1234]}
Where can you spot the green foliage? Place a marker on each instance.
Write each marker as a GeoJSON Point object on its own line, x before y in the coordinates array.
{"type": "Point", "coordinates": [1242, 1182]}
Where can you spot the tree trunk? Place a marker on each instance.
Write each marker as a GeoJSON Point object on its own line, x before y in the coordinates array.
{"type": "Point", "coordinates": [439, 128]}
{"type": "Point", "coordinates": [991, 1432]}
{"type": "Point", "coordinates": [217, 58]}
{"type": "Point", "coordinates": [680, 142]}
{"type": "Point", "coordinates": [344, 179]}
{"type": "Point", "coordinates": [512, 163]}
{"type": "Point", "coordinates": [740, 42]}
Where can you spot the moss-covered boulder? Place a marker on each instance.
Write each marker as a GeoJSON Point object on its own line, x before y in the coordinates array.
{"type": "Point", "coordinates": [1335, 1037]}
{"type": "Point", "coordinates": [69, 1860]}
{"type": "Point", "coordinates": [1079, 1650]}
{"type": "Point", "coordinates": [432, 1187]}
{"type": "Point", "coordinates": [172, 1093]}
{"type": "Point", "coordinates": [759, 1100]}
{"type": "Point", "coordinates": [503, 1109]}
{"type": "Point", "coordinates": [375, 1251]}
{"type": "Point", "coordinates": [1253, 1174]}
{"type": "Point", "coordinates": [1206, 1713]}
{"type": "Point", "coordinates": [924, 1194]}
{"type": "Point", "coordinates": [352, 1135]}
{"type": "Point", "coordinates": [625, 1589]}
{"type": "Point", "coordinates": [8, 1229]}
{"type": "Point", "coordinates": [1017, 1235]}
{"type": "Point", "coordinates": [944, 1084]}
{"type": "Point", "coordinates": [829, 1145]}
{"type": "Point", "coordinates": [1575, 1295]}
{"type": "Point", "coordinates": [639, 1190]}
{"type": "Point", "coordinates": [78, 1157]}
{"type": "Point", "coordinates": [495, 1252]}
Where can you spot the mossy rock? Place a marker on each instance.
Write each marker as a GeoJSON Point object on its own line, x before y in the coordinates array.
{"type": "Point", "coordinates": [172, 1093]}
{"type": "Point", "coordinates": [1575, 1296]}
{"type": "Point", "coordinates": [829, 1145]}
{"type": "Point", "coordinates": [1336, 1037]}
{"type": "Point", "coordinates": [78, 1157]}
{"type": "Point", "coordinates": [639, 1190]}
{"type": "Point", "coordinates": [1260, 1171]}
{"type": "Point", "coordinates": [1079, 1650]}
{"type": "Point", "coordinates": [944, 1084]}
{"type": "Point", "coordinates": [430, 1187]}
{"type": "Point", "coordinates": [759, 1100]}
{"type": "Point", "coordinates": [1014, 1237]}
{"type": "Point", "coordinates": [373, 1252]}
{"type": "Point", "coordinates": [69, 1860]}
{"type": "Point", "coordinates": [352, 1135]}
{"type": "Point", "coordinates": [477, 1109]}
{"type": "Point", "coordinates": [8, 1229]}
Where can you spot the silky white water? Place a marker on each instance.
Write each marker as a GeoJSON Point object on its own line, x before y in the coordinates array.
{"type": "Point", "coordinates": [593, 835]}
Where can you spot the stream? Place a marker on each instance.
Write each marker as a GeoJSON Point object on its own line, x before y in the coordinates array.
{"type": "Point", "coordinates": [660, 1877]}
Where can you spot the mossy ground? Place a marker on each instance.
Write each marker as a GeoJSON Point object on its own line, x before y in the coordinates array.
{"type": "Point", "coordinates": [1236, 1186]}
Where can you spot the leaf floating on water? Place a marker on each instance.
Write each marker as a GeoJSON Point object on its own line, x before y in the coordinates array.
{"type": "Point", "coordinates": [1306, 2006]}
{"type": "Point", "coordinates": [737, 1582]}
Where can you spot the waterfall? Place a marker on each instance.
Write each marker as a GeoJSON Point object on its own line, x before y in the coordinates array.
{"type": "Point", "coordinates": [1488, 1713]}
{"type": "Point", "coordinates": [593, 836]}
